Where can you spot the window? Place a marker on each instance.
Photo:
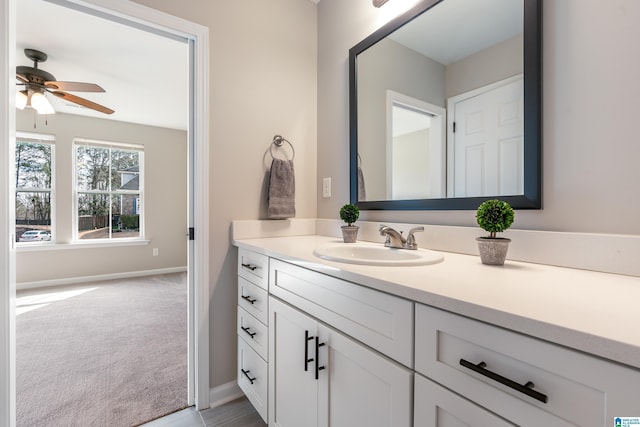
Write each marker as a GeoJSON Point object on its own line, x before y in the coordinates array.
{"type": "Point", "coordinates": [108, 190]}
{"type": "Point", "coordinates": [34, 184]}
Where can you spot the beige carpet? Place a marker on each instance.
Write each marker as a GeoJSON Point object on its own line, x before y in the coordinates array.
{"type": "Point", "coordinates": [105, 354]}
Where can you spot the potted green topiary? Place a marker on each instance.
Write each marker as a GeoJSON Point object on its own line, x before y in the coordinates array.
{"type": "Point", "coordinates": [349, 213]}
{"type": "Point", "coordinates": [494, 216]}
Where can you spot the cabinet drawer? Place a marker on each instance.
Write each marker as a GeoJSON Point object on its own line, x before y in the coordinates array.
{"type": "Point", "coordinates": [435, 406]}
{"type": "Point", "coordinates": [381, 321]}
{"type": "Point", "coordinates": [253, 299]}
{"type": "Point", "coordinates": [253, 332]}
{"type": "Point", "coordinates": [581, 389]}
{"type": "Point", "coordinates": [252, 377]}
{"type": "Point", "coordinates": [254, 267]}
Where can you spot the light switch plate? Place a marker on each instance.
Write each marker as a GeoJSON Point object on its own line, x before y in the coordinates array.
{"type": "Point", "coordinates": [326, 187]}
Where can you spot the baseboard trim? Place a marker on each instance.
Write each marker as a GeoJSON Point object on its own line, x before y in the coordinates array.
{"type": "Point", "coordinates": [224, 393]}
{"type": "Point", "coordinates": [97, 278]}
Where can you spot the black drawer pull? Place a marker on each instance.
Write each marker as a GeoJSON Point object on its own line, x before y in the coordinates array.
{"type": "Point", "coordinates": [318, 367]}
{"type": "Point", "coordinates": [250, 266]}
{"type": "Point", "coordinates": [246, 374]}
{"type": "Point", "coordinates": [526, 388]}
{"type": "Point", "coordinates": [307, 338]}
{"type": "Point", "coordinates": [248, 298]}
{"type": "Point", "coordinates": [248, 331]}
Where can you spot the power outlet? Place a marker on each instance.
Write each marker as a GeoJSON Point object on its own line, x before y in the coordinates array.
{"type": "Point", "coordinates": [326, 187]}
{"type": "Point", "coordinates": [155, 251]}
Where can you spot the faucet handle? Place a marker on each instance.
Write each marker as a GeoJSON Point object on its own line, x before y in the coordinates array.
{"type": "Point", "coordinates": [382, 230]}
{"type": "Point", "coordinates": [411, 240]}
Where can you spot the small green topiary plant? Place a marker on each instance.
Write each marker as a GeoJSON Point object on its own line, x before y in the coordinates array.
{"type": "Point", "coordinates": [494, 216]}
{"type": "Point", "coordinates": [349, 213]}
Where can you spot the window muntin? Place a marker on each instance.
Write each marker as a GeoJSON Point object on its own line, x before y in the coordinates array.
{"type": "Point", "coordinates": [108, 191]}
{"type": "Point", "coordinates": [34, 183]}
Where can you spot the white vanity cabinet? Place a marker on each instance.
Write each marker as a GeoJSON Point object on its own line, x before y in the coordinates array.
{"type": "Point", "coordinates": [435, 406]}
{"type": "Point", "coordinates": [320, 377]}
{"type": "Point", "coordinates": [524, 380]}
{"type": "Point", "coordinates": [324, 369]}
{"type": "Point", "coordinates": [252, 328]}
{"type": "Point", "coordinates": [318, 350]}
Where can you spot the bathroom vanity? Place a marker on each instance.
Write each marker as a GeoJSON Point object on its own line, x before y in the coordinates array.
{"type": "Point", "coordinates": [452, 343]}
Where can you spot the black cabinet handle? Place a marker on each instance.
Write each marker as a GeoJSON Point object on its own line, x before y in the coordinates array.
{"type": "Point", "coordinates": [249, 266]}
{"type": "Point", "coordinates": [248, 331]}
{"type": "Point", "coordinates": [246, 374]}
{"type": "Point", "coordinates": [307, 338]}
{"type": "Point", "coordinates": [526, 388]}
{"type": "Point", "coordinates": [248, 298]}
{"type": "Point", "coordinates": [318, 367]}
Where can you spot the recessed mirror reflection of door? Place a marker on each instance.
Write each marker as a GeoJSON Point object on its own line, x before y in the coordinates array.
{"type": "Point", "coordinates": [415, 148]}
{"type": "Point", "coordinates": [486, 140]}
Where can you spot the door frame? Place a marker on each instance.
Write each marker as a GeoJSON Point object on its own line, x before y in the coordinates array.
{"type": "Point", "coordinates": [437, 145]}
{"type": "Point", "coordinates": [198, 36]}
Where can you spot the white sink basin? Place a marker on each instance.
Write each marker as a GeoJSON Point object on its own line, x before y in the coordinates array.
{"type": "Point", "coordinates": [376, 254]}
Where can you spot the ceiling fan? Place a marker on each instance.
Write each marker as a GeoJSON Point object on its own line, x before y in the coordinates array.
{"type": "Point", "coordinates": [37, 82]}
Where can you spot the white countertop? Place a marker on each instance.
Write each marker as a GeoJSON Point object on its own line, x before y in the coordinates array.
{"type": "Point", "coordinates": [598, 313]}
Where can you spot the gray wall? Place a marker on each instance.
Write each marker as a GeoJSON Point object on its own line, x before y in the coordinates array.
{"type": "Point", "coordinates": [165, 162]}
{"type": "Point", "coordinates": [488, 66]}
{"type": "Point", "coordinates": [423, 78]}
{"type": "Point", "coordinates": [589, 113]}
{"type": "Point", "coordinates": [263, 82]}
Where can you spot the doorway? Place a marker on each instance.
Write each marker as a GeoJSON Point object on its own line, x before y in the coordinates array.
{"type": "Point", "coordinates": [197, 38]}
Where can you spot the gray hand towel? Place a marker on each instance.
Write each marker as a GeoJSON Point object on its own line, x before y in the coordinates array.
{"type": "Point", "coordinates": [362, 192]}
{"type": "Point", "coordinates": [282, 190]}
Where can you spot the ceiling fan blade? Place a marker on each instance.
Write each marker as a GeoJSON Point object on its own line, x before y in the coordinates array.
{"type": "Point", "coordinates": [22, 78]}
{"type": "Point", "coordinates": [74, 86]}
{"type": "Point", "coordinates": [83, 102]}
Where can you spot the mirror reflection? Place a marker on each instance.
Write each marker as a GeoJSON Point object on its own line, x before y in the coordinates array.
{"type": "Point", "coordinates": [440, 105]}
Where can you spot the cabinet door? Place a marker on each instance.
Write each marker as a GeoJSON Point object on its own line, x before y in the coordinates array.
{"type": "Point", "coordinates": [436, 406]}
{"type": "Point", "coordinates": [360, 387]}
{"type": "Point", "coordinates": [293, 389]}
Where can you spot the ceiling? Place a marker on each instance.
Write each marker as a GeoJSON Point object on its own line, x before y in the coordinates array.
{"type": "Point", "coordinates": [455, 29]}
{"type": "Point", "coordinates": [145, 75]}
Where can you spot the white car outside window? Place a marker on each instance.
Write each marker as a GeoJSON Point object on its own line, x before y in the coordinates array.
{"type": "Point", "coordinates": [35, 236]}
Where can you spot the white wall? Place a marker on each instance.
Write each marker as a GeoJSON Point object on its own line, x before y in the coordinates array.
{"type": "Point", "coordinates": [590, 152]}
{"type": "Point", "coordinates": [263, 82]}
{"type": "Point", "coordinates": [165, 198]}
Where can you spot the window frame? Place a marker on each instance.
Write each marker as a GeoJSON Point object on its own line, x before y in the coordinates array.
{"type": "Point", "coordinates": [111, 145]}
{"type": "Point", "coordinates": [39, 138]}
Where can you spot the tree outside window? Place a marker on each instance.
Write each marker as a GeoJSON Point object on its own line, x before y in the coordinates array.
{"type": "Point", "coordinates": [34, 183]}
{"type": "Point", "coordinates": [107, 191]}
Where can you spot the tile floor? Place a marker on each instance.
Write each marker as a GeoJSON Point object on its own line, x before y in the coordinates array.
{"type": "Point", "coordinates": [238, 413]}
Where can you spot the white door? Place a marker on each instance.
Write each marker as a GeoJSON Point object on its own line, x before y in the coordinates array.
{"type": "Point", "coordinates": [486, 140]}
{"type": "Point", "coordinates": [359, 387]}
{"type": "Point", "coordinates": [293, 389]}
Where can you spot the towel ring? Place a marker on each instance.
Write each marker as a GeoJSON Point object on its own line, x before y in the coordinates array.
{"type": "Point", "coordinates": [278, 140]}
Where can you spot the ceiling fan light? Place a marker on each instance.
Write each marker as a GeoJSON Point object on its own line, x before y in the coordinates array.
{"type": "Point", "coordinates": [21, 99]}
{"type": "Point", "coordinates": [41, 104]}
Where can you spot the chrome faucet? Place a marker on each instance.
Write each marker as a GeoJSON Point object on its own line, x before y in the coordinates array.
{"type": "Point", "coordinates": [396, 240]}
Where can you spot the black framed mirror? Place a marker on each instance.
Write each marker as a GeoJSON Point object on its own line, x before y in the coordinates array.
{"type": "Point", "coordinates": [445, 108]}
